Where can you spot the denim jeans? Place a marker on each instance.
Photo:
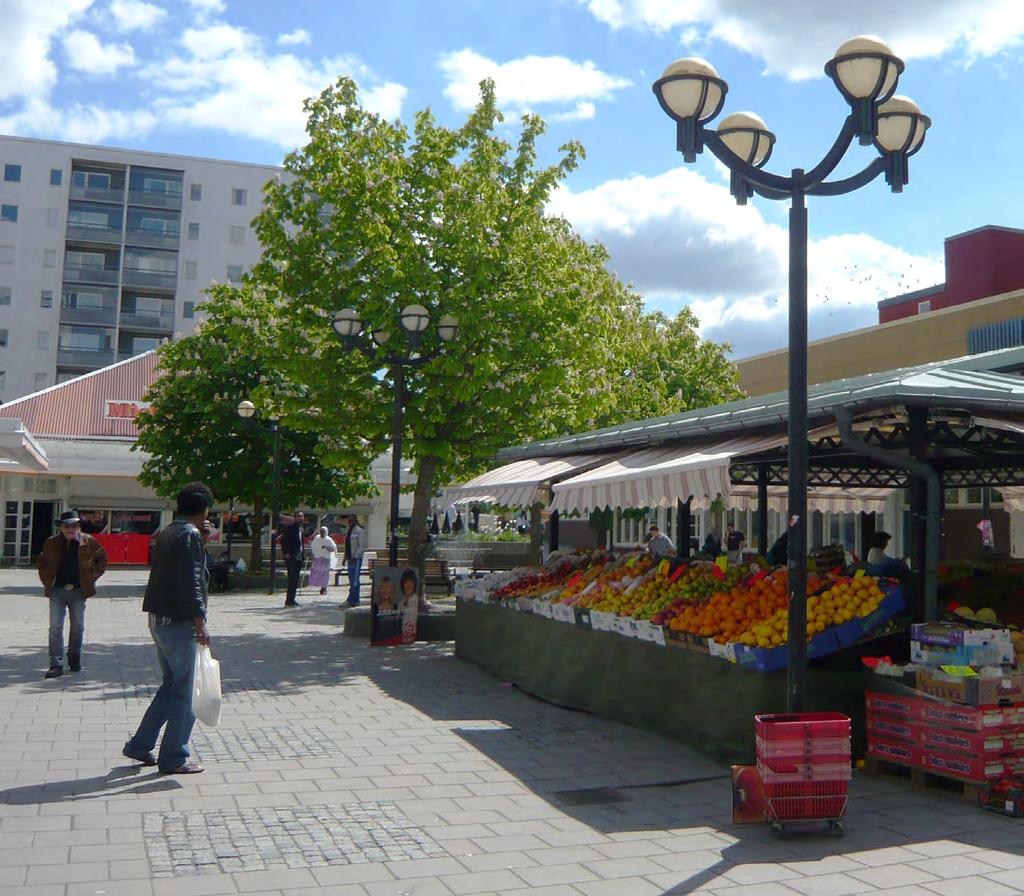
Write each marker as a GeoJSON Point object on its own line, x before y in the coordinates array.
{"type": "Point", "coordinates": [293, 563]}
{"type": "Point", "coordinates": [354, 568]}
{"type": "Point", "coordinates": [172, 704]}
{"type": "Point", "coordinates": [72, 601]}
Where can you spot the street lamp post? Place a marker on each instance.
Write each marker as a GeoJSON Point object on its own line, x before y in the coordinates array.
{"type": "Point", "coordinates": [413, 320]}
{"type": "Point", "coordinates": [866, 73]}
{"type": "Point", "coordinates": [247, 411]}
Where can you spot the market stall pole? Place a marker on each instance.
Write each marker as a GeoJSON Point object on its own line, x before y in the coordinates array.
{"type": "Point", "coordinates": [866, 73]}
{"type": "Point", "coordinates": [413, 320]}
{"type": "Point", "coordinates": [247, 411]}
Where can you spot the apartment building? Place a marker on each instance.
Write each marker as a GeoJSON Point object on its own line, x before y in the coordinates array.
{"type": "Point", "coordinates": [104, 253]}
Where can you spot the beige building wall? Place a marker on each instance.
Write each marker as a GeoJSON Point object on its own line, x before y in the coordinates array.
{"type": "Point", "coordinates": [934, 336]}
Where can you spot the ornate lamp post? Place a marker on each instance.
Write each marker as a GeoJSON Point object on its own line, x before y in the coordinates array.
{"type": "Point", "coordinates": [866, 73]}
{"type": "Point", "coordinates": [247, 411]}
{"type": "Point", "coordinates": [413, 321]}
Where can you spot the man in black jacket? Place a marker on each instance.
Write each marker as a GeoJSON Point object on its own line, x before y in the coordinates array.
{"type": "Point", "coordinates": [292, 548]}
{"type": "Point", "coordinates": [175, 599]}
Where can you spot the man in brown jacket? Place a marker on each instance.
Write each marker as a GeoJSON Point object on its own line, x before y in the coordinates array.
{"type": "Point", "coordinates": [69, 565]}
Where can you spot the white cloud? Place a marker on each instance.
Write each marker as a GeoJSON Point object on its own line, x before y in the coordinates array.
{"type": "Point", "coordinates": [682, 240]}
{"type": "Point", "coordinates": [81, 123]}
{"type": "Point", "coordinates": [294, 38]}
{"type": "Point", "coordinates": [30, 28]}
{"type": "Point", "coordinates": [86, 53]}
{"type": "Point", "coordinates": [796, 37]}
{"type": "Point", "coordinates": [522, 84]}
{"type": "Point", "coordinates": [207, 6]}
{"type": "Point", "coordinates": [132, 15]}
{"type": "Point", "coordinates": [227, 80]}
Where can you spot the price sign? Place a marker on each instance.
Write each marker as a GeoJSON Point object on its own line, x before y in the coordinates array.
{"type": "Point", "coordinates": [725, 651]}
{"type": "Point", "coordinates": [659, 635]}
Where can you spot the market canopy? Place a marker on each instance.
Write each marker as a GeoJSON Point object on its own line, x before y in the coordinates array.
{"type": "Point", "coordinates": [835, 500]}
{"type": "Point", "coordinates": [659, 477]}
{"type": "Point", "coordinates": [516, 484]}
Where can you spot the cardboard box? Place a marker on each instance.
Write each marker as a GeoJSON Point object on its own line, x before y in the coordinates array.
{"type": "Point", "coordinates": [1008, 743]}
{"type": "Point", "coordinates": [954, 635]}
{"type": "Point", "coordinates": [902, 707]}
{"type": "Point", "coordinates": [888, 728]}
{"type": "Point", "coordinates": [970, 718]}
{"type": "Point", "coordinates": [903, 752]}
{"type": "Point", "coordinates": [988, 653]}
{"type": "Point", "coordinates": [974, 691]}
{"type": "Point", "coordinates": [965, 767]}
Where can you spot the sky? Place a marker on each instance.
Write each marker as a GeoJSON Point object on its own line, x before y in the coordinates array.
{"type": "Point", "coordinates": [226, 79]}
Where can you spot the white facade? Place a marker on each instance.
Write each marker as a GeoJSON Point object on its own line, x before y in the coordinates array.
{"type": "Point", "coordinates": [105, 252]}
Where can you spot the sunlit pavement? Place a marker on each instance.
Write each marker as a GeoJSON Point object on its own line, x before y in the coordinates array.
{"type": "Point", "coordinates": [341, 769]}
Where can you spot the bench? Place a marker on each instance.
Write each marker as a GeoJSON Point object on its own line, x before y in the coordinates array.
{"type": "Point", "coordinates": [436, 574]}
{"type": "Point", "coordinates": [493, 561]}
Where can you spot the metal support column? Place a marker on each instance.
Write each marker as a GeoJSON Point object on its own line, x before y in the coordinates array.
{"type": "Point", "coordinates": [762, 510]}
{"type": "Point", "coordinates": [683, 528]}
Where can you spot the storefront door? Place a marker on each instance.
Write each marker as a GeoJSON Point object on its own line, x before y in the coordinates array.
{"type": "Point", "coordinates": [42, 525]}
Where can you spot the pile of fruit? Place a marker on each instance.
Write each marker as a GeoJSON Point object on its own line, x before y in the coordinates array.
{"type": "Point", "coordinates": [537, 583]}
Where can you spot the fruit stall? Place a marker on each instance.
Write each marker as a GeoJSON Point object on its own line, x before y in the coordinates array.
{"type": "Point", "coordinates": [692, 649]}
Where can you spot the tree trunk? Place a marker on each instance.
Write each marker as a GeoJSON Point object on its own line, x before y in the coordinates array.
{"type": "Point", "coordinates": [420, 509]}
{"type": "Point", "coordinates": [256, 549]}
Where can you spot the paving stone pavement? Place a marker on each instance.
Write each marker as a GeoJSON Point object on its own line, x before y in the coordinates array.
{"type": "Point", "coordinates": [349, 771]}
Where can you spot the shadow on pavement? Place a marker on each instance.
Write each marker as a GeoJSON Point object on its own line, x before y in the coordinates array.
{"type": "Point", "coordinates": [75, 789]}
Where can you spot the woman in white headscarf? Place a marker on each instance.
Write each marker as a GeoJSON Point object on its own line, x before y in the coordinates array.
{"type": "Point", "coordinates": [324, 552]}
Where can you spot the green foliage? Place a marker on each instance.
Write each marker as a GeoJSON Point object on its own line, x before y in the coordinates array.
{"type": "Point", "coordinates": [194, 431]}
{"type": "Point", "coordinates": [374, 216]}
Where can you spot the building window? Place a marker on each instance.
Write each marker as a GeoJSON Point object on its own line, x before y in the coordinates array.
{"type": "Point", "coordinates": [43, 340]}
{"type": "Point", "coordinates": [924, 307]}
{"type": "Point", "coordinates": [12, 173]}
{"type": "Point", "coordinates": [56, 177]}
{"type": "Point", "coordinates": [239, 197]}
{"type": "Point", "coordinates": [234, 273]}
{"type": "Point", "coordinates": [41, 379]}
{"type": "Point", "coordinates": [3, 379]}
{"type": "Point", "coordinates": [193, 231]}
{"type": "Point", "coordinates": [3, 338]}
{"type": "Point", "coordinates": [49, 258]}
{"type": "Point", "coordinates": [189, 309]}
{"type": "Point", "coordinates": [91, 180]}
{"type": "Point", "coordinates": [5, 295]}
{"type": "Point", "coordinates": [9, 213]}
{"type": "Point", "coordinates": [196, 192]}
{"type": "Point", "coordinates": [190, 270]}
{"type": "Point", "coordinates": [46, 298]}
{"type": "Point", "coordinates": [53, 218]}
{"type": "Point", "coordinates": [237, 236]}
{"type": "Point", "coordinates": [6, 254]}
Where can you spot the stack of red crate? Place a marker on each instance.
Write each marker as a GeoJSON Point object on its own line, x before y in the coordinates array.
{"type": "Point", "coordinates": [976, 744]}
{"type": "Point", "coordinates": [804, 762]}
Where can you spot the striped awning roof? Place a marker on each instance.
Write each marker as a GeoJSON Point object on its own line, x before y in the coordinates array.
{"type": "Point", "coordinates": [836, 500]}
{"type": "Point", "coordinates": [95, 404]}
{"type": "Point", "coordinates": [516, 484]}
{"type": "Point", "coordinates": [658, 477]}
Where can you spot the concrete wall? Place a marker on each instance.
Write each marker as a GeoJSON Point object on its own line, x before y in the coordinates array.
{"type": "Point", "coordinates": [937, 336]}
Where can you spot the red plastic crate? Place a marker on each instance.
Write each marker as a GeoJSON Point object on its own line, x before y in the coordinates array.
{"type": "Point", "coordinates": [822, 749]}
{"type": "Point", "coordinates": [783, 771]}
{"type": "Point", "coordinates": [806, 799]}
{"type": "Point", "coordinates": [801, 725]}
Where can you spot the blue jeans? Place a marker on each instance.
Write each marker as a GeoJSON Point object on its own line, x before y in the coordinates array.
{"type": "Point", "coordinates": [354, 569]}
{"type": "Point", "coordinates": [72, 601]}
{"type": "Point", "coordinates": [172, 704]}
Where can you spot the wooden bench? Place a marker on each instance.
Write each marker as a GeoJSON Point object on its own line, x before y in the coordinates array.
{"type": "Point", "coordinates": [436, 574]}
{"type": "Point", "coordinates": [493, 561]}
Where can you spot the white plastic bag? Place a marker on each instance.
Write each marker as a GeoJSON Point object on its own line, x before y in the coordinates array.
{"type": "Point", "coordinates": [206, 699]}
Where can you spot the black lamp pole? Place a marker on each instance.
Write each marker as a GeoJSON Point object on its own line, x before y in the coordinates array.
{"type": "Point", "coordinates": [414, 319]}
{"type": "Point", "coordinates": [866, 72]}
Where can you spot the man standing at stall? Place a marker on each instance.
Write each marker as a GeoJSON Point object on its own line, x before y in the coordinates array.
{"type": "Point", "coordinates": [659, 544]}
{"type": "Point", "coordinates": [69, 565]}
{"type": "Point", "coordinates": [735, 542]}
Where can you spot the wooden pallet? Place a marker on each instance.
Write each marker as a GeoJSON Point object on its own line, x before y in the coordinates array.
{"type": "Point", "coordinates": [922, 779]}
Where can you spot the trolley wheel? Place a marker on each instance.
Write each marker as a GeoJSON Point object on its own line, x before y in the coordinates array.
{"type": "Point", "coordinates": [835, 825]}
{"type": "Point", "coordinates": [779, 829]}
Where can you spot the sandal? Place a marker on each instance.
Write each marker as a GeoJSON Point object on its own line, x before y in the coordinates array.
{"type": "Point", "coordinates": [186, 768]}
{"type": "Point", "coordinates": [147, 759]}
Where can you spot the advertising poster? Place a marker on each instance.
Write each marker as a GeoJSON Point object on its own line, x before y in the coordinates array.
{"type": "Point", "coordinates": [394, 602]}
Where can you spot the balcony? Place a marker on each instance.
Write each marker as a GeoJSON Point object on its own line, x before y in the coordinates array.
{"type": "Point", "coordinates": [134, 277]}
{"type": "Point", "coordinates": [152, 239]}
{"type": "Point", "coordinates": [92, 233]}
{"type": "Point", "coordinates": [148, 320]}
{"type": "Point", "coordinates": [104, 315]}
{"type": "Point", "coordinates": [98, 194]}
{"type": "Point", "coordinates": [154, 199]}
{"type": "Point", "coordinates": [91, 274]}
{"type": "Point", "coordinates": [84, 358]}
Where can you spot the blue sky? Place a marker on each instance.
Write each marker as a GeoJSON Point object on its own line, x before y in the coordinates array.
{"type": "Point", "coordinates": [226, 78]}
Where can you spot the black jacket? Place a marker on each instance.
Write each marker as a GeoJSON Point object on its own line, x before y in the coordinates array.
{"type": "Point", "coordinates": [178, 576]}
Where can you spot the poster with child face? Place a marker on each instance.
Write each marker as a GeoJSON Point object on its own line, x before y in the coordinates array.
{"type": "Point", "coordinates": [394, 602]}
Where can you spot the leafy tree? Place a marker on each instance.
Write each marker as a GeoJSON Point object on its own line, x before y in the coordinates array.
{"type": "Point", "coordinates": [194, 431]}
{"type": "Point", "coordinates": [373, 216]}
